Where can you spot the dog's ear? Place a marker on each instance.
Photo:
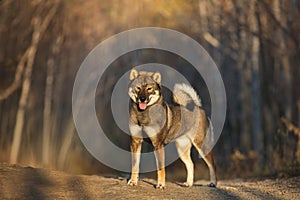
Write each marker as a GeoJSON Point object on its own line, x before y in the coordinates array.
{"type": "Point", "coordinates": [157, 77]}
{"type": "Point", "coordinates": [133, 74]}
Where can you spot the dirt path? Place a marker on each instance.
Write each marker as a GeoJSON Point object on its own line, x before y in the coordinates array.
{"type": "Point", "coordinates": [29, 183]}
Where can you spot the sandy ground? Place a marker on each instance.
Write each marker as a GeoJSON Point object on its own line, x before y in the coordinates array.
{"type": "Point", "coordinates": [18, 182]}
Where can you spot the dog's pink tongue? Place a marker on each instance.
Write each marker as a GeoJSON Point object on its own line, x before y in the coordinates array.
{"type": "Point", "coordinates": [142, 105]}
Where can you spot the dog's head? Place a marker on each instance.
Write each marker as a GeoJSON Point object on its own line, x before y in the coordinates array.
{"type": "Point", "coordinates": [145, 88]}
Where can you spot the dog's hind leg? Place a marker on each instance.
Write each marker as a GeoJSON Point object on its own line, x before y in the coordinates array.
{"type": "Point", "coordinates": [211, 165]}
{"type": "Point", "coordinates": [212, 169]}
{"type": "Point", "coordinates": [183, 146]}
{"type": "Point", "coordinates": [135, 148]}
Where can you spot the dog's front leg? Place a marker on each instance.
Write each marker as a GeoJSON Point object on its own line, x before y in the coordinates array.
{"type": "Point", "coordinates": [160, 163]}
{"type": "Point", "coordinates": [135, 148]}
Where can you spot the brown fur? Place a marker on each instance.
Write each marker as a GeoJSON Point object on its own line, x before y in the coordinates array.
{"type": "Point", "coordinates": [176, 123]}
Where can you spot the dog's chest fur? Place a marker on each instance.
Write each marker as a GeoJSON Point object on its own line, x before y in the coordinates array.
{"type": "Point", "coordinates": [158, 121]}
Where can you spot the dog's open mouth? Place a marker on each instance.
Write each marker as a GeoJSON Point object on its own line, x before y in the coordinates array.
{"type": "Point", "coordinates": [142, 105]}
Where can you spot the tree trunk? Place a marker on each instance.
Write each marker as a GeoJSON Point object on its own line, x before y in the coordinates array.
{"type": "Point", "coordinates": [47, 114]}
{"type": "Point", "coordinates": [66, 144]}
{"type": "Point", "coordinates": [47, 119]}
{"type": "Point", "coordinates": [283, 59]}
{"type": "Point", "coordinates": [23, 101]}
{"type": "Point", "coordinates": [255, 82]}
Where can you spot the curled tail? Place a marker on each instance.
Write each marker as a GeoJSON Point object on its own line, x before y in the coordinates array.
{"type": "Point", "coordinates": [184, 94]}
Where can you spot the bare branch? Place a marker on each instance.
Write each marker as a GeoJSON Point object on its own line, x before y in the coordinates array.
{"type": "Point", "coordinates": [216, 44]}
{"type": "Point", "coordinates": [211, 40]}
{"type": "Point", "coordinates": [290, 126]}
{"type": "Point", "coordinates": [17, 80]}
{"type": "Point", "coordinates": [39, 28]}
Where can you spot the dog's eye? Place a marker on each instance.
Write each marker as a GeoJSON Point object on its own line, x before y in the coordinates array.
{"type": "Point", "coordinates": [138, 88]}
{"type": "Point", "coordinates": [149, 89]}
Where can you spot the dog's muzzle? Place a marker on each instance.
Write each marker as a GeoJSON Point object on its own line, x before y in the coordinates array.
{"type": "Point", "coordinates": [142, 103]}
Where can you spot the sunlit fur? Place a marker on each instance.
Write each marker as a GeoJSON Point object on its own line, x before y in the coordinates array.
{"type": "Point", "coordinates": [163, 123]}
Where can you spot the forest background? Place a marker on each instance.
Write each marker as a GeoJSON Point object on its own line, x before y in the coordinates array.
{"type": "Point", "coordinates": [255, 44]}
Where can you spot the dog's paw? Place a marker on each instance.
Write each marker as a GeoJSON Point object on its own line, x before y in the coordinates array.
{"type": "Point", "coordinates": [186, 184]}
{"type": "Point", "coordinates": [212, 185]}
{"type": "Point", "coordinates": [132, 182]}
{"type": "Point", "coordinates": [160, 186]}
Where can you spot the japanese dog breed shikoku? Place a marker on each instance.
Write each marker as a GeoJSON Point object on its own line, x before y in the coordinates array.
{"type": "Point", "coordinates": [163, 123]}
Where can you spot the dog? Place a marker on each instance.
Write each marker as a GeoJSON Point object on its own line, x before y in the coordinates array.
{"type": "Point", "coordinates": [185, 124]}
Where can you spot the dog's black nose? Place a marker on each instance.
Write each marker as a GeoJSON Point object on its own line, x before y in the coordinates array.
{"type": "Point", "coordinates": [143, 98]}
